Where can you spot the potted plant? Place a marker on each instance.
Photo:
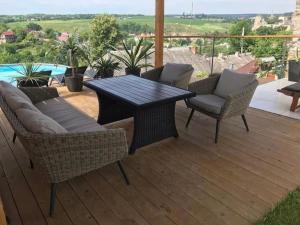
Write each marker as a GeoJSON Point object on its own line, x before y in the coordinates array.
{"type": "Point", "coordinates": [31, 76]}
{"type": "Point", "coordinates": [72, 52]}
{"type": "Point", "coordinates": [106, 66]}
{"type": "Point", "coordinates": [133, 56]}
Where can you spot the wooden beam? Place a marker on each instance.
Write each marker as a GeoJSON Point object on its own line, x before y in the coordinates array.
{"type": "Point", "coordinates": [159, 32]}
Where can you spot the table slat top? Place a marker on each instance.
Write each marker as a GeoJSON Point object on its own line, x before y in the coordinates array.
{"type": "Point", "coordinates": [138, 91]}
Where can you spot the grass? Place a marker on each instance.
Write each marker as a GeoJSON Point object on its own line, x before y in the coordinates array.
{"type": "Point", "coordinates": [173, 24]}
{"type": "Point", "coordinates": [287, 212]}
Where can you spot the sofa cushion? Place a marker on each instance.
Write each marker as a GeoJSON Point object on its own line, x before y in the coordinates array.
{"type": "Point", "coordinates": [209, 103]}
{"type": "Point", "coordinates": [67, 116]}
{"type": "Point", "coordinates": [38, 123]}
{"type": "Point", "coordinates": [16, 102]}
{"type": "Point", "coordinates": [231, 82]}
{"type": "Point", "coordinates": [7, 89]}
{"type": "Point", "coordinates": [174, 72]}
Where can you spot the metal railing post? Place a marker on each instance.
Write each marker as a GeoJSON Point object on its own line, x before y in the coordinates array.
{"type": "Point", "coordinates": [284, 49]}
{"type": "Point", "coordinates": [213, 55]}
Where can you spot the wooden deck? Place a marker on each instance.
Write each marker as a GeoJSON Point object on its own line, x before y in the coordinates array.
{"type": "Point", "coordinates": [186, 181]}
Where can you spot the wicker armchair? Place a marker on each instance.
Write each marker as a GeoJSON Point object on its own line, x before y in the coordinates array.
{"type": "Point", "coordinates": [180, 80]}
{"type": "Point", "coordinates": [207, 102]}
{"type": "Point", "coordinates": [67, 155]}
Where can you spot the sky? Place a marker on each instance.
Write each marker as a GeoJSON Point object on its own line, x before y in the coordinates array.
{"type": "Point", "coordinates": [145, 6]}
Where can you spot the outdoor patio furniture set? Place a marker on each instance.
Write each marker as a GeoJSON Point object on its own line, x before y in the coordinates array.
{"type": "Point", "coordinates": [66, 143]}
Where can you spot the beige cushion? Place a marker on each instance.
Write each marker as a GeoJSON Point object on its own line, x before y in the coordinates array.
{"type": "Point", "coordinates": [208, 103]}
{"type": "Point", "coordinates": [16, 102]}
{"type": "Point", "coordinates": [174, 72]}
{"type": "Point", "coordinates": [67, 116]}
{"type": "Point", "coordinates": [38, 123]}
{"type": "Point", "coordinates": [8, 89]}
{"type": "Point", "coordinates": [231, 82]}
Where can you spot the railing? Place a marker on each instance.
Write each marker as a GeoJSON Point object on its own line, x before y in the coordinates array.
{"type": "Point", "coordinates": [214, 38]}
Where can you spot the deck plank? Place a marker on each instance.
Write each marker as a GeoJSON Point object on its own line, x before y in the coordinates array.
{"type": "Point", "coordinates": [189, 180]}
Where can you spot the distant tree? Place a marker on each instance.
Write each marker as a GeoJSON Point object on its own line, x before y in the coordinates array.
{"type": "Point", "coordinates": [270, 30]}
{"type": "Point", "coordinates": [105, 33]}
{"type": "Point", "coordinates": [20, 33]}
{"type": "Point", "coordinates": [237, 29]}
{"type": "Point", "coordinates": [3, 27]}
{"type": "Point", "coordinates": [265, 47]}
{"type": "Point", "coordinates": [34, 26]}
{"type": "Point", "coordinates": [50, 33]}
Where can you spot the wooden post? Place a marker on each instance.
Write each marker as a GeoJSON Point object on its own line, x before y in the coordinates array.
{"type": "Point", "coordinates": [159, 33]}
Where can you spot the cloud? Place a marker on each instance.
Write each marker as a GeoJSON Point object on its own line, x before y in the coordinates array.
{"type": "Point", "coordinates": [145, 6]}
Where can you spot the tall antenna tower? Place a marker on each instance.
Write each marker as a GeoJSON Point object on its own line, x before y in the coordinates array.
{"type": "Point", "coordinates": [192, 13]}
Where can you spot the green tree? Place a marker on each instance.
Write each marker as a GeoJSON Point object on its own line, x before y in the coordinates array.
{"type": "Point", "coordinates": [3, 27]}
{"type": "Point", "coordinates": [105, 33]}
{"type": "Point", "coordinates": [20, 33]}
{"type": "Point", "coordinates": [237, 29]}
{"type": "Point", "coordinates": [34, 26]}
{"type": "Point", "coordinates": [50, 33]}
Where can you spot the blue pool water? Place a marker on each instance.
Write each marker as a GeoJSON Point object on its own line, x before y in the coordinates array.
{"type": "Point", "coordinates": [8, 73]}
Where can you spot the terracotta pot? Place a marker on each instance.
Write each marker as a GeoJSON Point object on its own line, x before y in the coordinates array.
{"type": "Point", "coordinates": [271, 76]}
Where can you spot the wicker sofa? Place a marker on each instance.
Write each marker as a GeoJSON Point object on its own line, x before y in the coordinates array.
{"type": "Point", "coordinates": [72, 145]}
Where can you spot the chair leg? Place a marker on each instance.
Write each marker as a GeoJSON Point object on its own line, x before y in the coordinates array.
{"type": "Point", "coordinates": [53, 188]}
{"type": "Point", "coordinates": [31, 164]}
{"type": "Point", "coordinates": [14, 137]}
{"type": "Point", "coordinates": [217, 131]}
{"type": "Point", "coordinates": [190, 117]}
{"type": "Point", "coordinates": [123, 172]}
{"type": "Point", "coordinates": [245, 122]}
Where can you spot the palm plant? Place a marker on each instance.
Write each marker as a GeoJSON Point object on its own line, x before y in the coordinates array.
{"type": "Point", "coordinates": [106, 65]}
{"type": "Point", "coordinates": [31, 75]}
{"type": "Point", "coordinates": [70, 52]}
{"type": "Point", "coordinates": [133, 55]}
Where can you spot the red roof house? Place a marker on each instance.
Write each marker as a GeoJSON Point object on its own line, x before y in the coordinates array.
{"type": "Point", "coordinates": [7, 36]}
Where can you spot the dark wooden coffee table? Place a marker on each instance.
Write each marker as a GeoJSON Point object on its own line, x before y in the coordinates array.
{"type": "Point", "coordinates": [152, 105]}
{"type": "Point", "coordinates": [293, 91]}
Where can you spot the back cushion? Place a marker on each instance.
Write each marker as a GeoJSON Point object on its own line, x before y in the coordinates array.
{"type": "Point", "coordinates": [8, 89]}
{"type": "Point", "coordinates": [231, 82]}
{"type": "Point", "coordinates": [16, 102]}
{"type": "Point", "coordinates": [39, 123]}
{"type": "Point", "coordinates": [173, 71]}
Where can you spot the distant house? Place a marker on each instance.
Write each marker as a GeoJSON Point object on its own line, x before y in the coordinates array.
{"type": "Point", "coordinates": [63, 36]}
{"type": "Point", "coordinates": [7, 36]}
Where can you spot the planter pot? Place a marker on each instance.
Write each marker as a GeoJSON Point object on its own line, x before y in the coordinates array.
{"type": "Point", "coordinates": [136, 72]}
{"type": "Point", "coordinates": [294, 71]}
{"type": "Point", "coordinates": [27, 83]}
{"type": "Point", "coordinates": [105, 74]}
{"type": "Point", "coordinates": [74, 84]}
{"type": "Point", "coordinates": [271, 76]}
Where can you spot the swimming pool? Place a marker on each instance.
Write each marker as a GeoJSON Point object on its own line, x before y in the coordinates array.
{"type": "Point", "coordinates": [8, 72]}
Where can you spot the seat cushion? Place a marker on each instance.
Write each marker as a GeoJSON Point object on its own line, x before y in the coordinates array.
{"type": "Point", "coordinates": [174, 72]}
{"type": "Point", "coordinates": [231, 82]}
{"type": "Point", "coordinates": [16, 102]}
{"type": "Point", "coordinates": [209, 103]}
{"type": "Point", "coordinates": [38, 123]}
{"type": "Point", "coordinates": [67, 116]}
{"type": "Point", "coordinates": [8, 89]}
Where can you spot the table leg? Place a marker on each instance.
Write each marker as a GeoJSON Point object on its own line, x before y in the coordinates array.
{"type": "Point", "coordinates": [153, 124]}
{"type": "Point", "coordinates": [111, 110]}
{"type": "Point", "coordinates": [294, 103]}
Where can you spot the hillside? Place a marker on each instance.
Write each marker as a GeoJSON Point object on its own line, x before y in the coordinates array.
{"type": "Point", "coordinates": [172, 24]}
